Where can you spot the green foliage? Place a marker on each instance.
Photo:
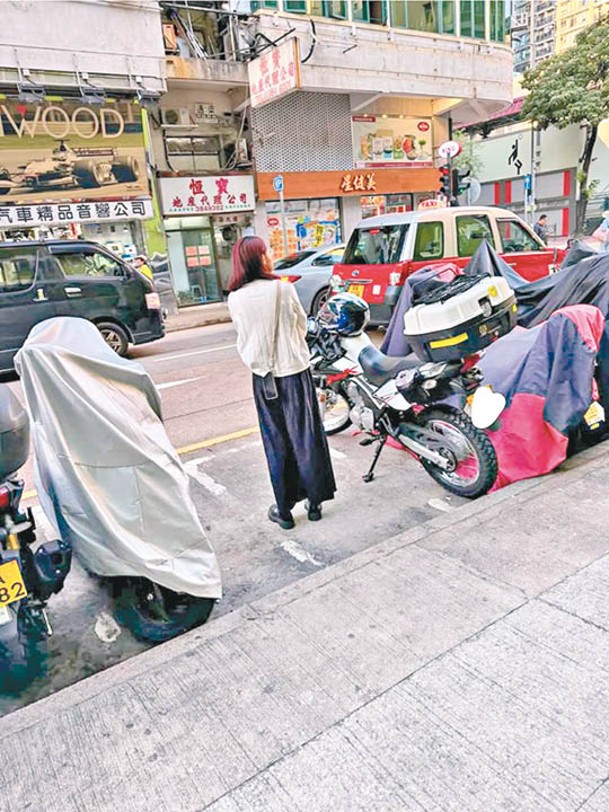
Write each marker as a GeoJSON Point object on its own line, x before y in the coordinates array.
{"type": "Point", "coordinates": [469, 157]}
{"type": "Point", "coordinates": [572, 87]}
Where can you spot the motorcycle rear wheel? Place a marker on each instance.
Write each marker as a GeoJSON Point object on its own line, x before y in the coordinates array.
{"type": "Point", "coordinates": [23, 650]}
{"type": "Point", "coordinates": [473, 475]}
{"type": "Point", "coordinates": [154, 613]}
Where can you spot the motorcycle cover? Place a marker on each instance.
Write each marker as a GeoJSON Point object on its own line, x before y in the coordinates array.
{"type": "Point", "coordinates": [546, 374]}
{"type": "Point", "coordinates": [108, 477]}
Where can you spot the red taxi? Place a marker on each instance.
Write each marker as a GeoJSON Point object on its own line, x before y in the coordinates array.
{"type": "Point", "coordinates": [383, 251]}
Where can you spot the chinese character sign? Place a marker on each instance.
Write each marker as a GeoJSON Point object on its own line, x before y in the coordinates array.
{"type": "Point", "coordinates": [63, 152]}
{"type": "Point", "coordinates": [12, 216]}
{"type": "Point", "coordinates": [274, 74]}
{"type": "Point", "coordinates": [207, 195]}
{"type": "Point", "coordinates": [392, 141]}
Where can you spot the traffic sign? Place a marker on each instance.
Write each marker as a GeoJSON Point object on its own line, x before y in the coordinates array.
{"type": "Point", "coordinates": [528, 183]}
{"type": "Point", "coordinates": [278, 183]}
{"type": "Point", "coordinates": [449, 149]}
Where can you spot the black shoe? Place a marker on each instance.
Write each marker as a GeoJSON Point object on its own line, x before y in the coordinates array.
{"type": "Point", "coordinates": [285, 522]}
{"type": "Point", "coordinates": [313, 511]}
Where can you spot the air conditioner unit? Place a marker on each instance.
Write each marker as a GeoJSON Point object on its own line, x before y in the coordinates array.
{"type": "Point", "coordinates": [179, 116]}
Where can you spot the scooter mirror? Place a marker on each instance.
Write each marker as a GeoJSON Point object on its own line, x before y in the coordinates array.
{"type": "Point", "coordinates": [486, 407]}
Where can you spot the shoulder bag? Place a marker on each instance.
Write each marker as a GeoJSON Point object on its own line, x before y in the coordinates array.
{"type": "Point", "coordinates": [268, 382]}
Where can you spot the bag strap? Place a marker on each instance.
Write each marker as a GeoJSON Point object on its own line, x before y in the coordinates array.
{"type": "Point", "coordinates": [276, 324]}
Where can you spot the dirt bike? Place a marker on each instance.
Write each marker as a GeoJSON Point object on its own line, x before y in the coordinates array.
{"type": "Point", "coordinates": [435, 410]}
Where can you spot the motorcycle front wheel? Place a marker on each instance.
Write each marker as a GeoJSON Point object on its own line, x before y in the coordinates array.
{"type": "Point", "coordinates": [153, 612]}
{"type": "Point", "coordinates": [335, 411]}
{"type": "Point", "coordinates": [472, 468]}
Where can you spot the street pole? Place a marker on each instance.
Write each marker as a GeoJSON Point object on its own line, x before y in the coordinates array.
{"type": "Point", "coordinates": [283, 225]}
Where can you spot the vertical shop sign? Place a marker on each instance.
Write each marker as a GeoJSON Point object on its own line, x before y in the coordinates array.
{"type": "Point", "coordinates": [274, 74]}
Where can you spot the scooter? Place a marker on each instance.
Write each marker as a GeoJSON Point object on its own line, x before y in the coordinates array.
{"type": "Point", "coordinates": [110, 481]}
{"type": "Point", "coordinates": [29, 574]}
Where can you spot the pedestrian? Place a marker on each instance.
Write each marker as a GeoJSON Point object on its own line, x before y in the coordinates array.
{"type": "Point", "coordinates": [271, 327]}
{"type": "Point", "coordinates": [141, 263]}
{"type": "Point", "coordinates": [602, 232]}
{"type": "Point", "coordinates": [541, 227]}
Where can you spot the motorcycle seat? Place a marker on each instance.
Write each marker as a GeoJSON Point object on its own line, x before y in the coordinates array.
{"type": "Point", "coordinates": [380, 368]}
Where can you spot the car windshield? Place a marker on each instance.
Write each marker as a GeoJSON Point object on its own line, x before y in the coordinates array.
{"type": "Point", "coordinates": [375, 245]}
{"type": "Point", "coordinates": [292, 259]}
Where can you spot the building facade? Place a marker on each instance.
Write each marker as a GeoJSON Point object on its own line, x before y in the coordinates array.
{"type": "Point", "coordinates": [340, 105]}
{"type": "Point", "coordinates": [572, 16]}
{"type": "Point", "coordinates": [532, 32]}
{"type": "Point", "coordinates": [73, 152]}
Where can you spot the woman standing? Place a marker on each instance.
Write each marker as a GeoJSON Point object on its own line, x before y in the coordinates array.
{"type": "Point", "coordinates": [271, 327]}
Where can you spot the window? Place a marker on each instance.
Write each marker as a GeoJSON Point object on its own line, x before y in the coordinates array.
{"type": "Point", "coordinates": [471, 230]}
{"type": "Point", "coordinates": [429, 241]}
{"type": "Point", "coordinates": [17, 269]}
{"type": "Point", "coordinates": [332, 8]}
{"type": "Point", "coordinates": [330, 258]}
{"type": "Point", "coordinates": [514, 237]}
{"type": "Point", "coordinates": [89, 263]}
{"type": "Point", "coordinates": [376, 246]}
{"type": "Point", "coordinates": [292, 260]}
{"type": "Point", "coordinates": [295, 6]}
{"type": "Point", "coordinates": [472, 19]}
{"type": "Point", "coordinates": [497, 8]}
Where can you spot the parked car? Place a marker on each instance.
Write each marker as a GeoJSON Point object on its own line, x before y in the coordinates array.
{"type": "Point", "coordinates": [42, 279]}
{"type": "Point", "coordinates": [383, 251]}
{"type": "Point", "coordinates": [310, 271]}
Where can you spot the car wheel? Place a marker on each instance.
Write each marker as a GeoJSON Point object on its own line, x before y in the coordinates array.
{"type": "Point", "coordinates": [321, 297]}
{"type": "Point", "coordinates": [115, 337]}
{"type": "Point", "coordinates": [88, 174]}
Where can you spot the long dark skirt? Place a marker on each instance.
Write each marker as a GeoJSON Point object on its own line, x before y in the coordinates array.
{"type": "Point", "coordinates": [294, 441]}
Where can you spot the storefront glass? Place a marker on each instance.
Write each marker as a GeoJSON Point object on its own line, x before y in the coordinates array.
{"type": "Point", "coordinates": [192, 257]}
{"type": "Point", "coordinates": [386, 204]}
{"type": "Point", "coordinates": [309, 224]}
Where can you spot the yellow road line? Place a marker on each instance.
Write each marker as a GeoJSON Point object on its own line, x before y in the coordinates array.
{"type": "Point", "coordinates": [188, 449]}
{"type": "Point", "coordinates": [224, 438]}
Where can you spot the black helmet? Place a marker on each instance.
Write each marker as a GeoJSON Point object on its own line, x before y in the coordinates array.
{"type": "Point", "coordinates": [345, 314]}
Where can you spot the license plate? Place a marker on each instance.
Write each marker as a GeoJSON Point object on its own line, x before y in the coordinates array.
{"type": "Point", "coordinates": [594, 415]}
{"type": "Point", "coordinates": [12, 587]}
{"type": "Point", "coordinates": [356, 290]}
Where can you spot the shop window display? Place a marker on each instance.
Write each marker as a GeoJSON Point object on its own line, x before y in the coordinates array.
{"type": "Point", "coordinates": [309, 224]}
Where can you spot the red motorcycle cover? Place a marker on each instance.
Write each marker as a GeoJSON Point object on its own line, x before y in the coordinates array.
{"type": "Point", "coordinates": [546, 374]}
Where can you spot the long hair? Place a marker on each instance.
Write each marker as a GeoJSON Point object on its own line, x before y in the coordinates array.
{"type": "Point", "coordinates": [248, 264]}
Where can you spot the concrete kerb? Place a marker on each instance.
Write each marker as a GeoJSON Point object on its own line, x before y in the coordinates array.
{"type": "Point", "coordinates": [263, 609]}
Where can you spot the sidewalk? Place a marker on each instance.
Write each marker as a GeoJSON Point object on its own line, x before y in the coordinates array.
{"type": "Point", "coordinates": [198, 316]}
{"type": "Point", "coordinates": [462, 666]}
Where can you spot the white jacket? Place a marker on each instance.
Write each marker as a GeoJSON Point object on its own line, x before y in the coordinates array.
{"type": "Point", "coordinates": [252, 309]}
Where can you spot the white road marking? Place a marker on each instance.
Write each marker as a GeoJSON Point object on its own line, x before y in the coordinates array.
{"type": "Point", "coordinates": [337, 455]}
{"type": "Point", "coordinates": [209, 483]}
{"type": "Point", "coordinates": [171, 384]}
{"type": "Point", "coordinates": [298, 552]}
{"type": "Point", "coordinates": [106, 628]}
{"type": "Point", "coordinates": [194, 352]}
{"type": "Point", "coordinates": [440, 504]}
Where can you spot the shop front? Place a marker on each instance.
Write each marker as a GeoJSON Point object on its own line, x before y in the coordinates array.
{"type": "Point", "coordinates": [321, 208]}
{"type": "Point", "coordinates": [203, 217]}
{"type": "Point", "coordinates": [70, 171]}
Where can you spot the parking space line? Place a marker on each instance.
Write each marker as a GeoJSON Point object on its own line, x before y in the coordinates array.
{"type": "Point", "coordinates": [208, 482]}
{"type": "Point", "coordinates": [193, 352]}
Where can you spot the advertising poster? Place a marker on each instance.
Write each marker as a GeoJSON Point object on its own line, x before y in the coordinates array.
{"type": "Point", "coordinates": [309, 224]}
{"type": "Point", "coordinates": [392, 141]}
{"type": "Point", "coordinates": [65, 151]}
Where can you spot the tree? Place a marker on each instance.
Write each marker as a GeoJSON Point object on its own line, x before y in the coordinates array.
{"type": "Point", "coordinates": [573, 88]}
{"type": "Point", "coordinates": [469, 157]}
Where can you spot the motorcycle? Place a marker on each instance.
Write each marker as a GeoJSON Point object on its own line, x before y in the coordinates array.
{"type": "Point", "coordinates": [28, 576]}
{"type": "Point", "coordinates": [110, 481]}
{"type": "Point", "coordinates": [435, 410]}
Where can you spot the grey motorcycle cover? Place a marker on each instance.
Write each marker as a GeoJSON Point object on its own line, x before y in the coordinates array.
{"type": "Point", "coordinates": [108, 477]}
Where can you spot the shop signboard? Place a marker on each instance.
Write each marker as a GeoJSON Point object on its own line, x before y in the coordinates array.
{"type": "Point", "coordinates": [274, 74]}
{"type": "Point", "coordinates": [391, 141]}
{"type": "Point", "coordinates": [66, 151]}
{"type": "Point", "coordinates": [207, 194]}
{"type": "Point", "coordinates": [52, 214]}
